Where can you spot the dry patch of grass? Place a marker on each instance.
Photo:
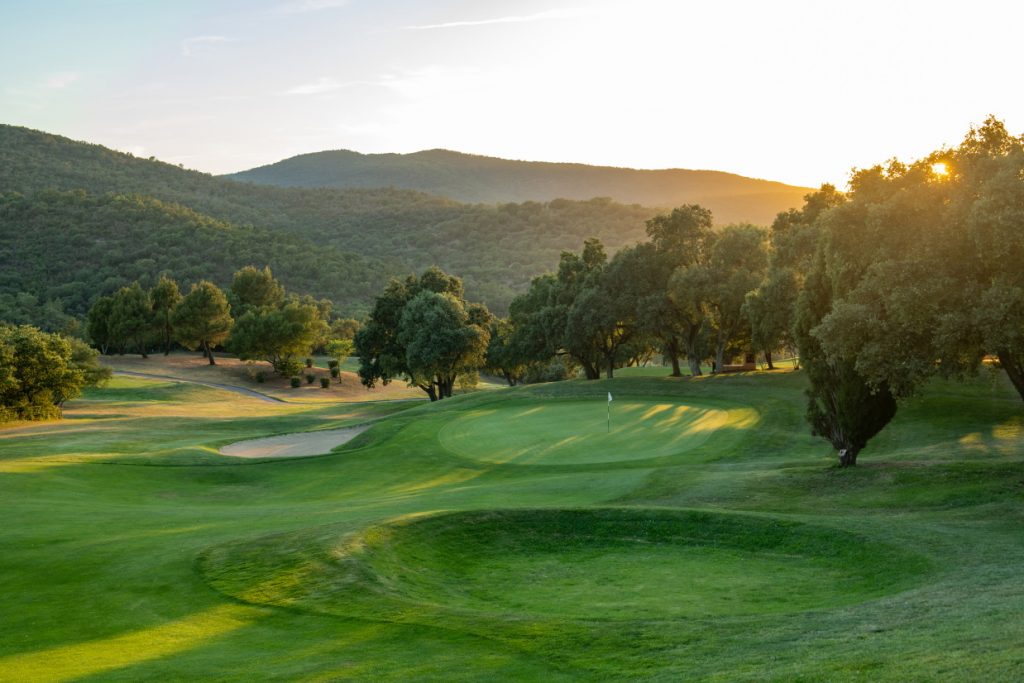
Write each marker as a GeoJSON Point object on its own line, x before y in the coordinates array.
{"type": "Point", "coordinates": [237, 373]}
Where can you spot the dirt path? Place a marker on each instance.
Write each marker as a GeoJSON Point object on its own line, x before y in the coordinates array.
{"type": "Point", "coordinates": [225, 387]}
{"type": "Point", "coordinates": [293, 445]}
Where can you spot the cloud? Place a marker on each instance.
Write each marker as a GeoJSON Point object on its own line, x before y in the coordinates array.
{"type": "Point", "coordinates": [60, 80]}
{"type": "Point", "coordinates": [317, 87]}
{"type": "Point", "coordinates": [188, 44]}
{"type": "Point", "coordinates": [540, 16]}
{"type": "Point", "coordinates": [303, 6]}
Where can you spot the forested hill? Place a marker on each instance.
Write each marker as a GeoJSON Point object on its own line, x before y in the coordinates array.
{"type": "Point", "coordinates": [351, 239]}
{"type": "Point", "coordinates": [471, 178]}
{"type": "Point", "coordinates": [62, 249]}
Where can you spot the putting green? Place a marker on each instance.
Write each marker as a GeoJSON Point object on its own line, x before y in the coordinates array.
{"type": "Point", "coordinates": [576, 432]}
{"type": "Point", "coordinates": [605, 563]}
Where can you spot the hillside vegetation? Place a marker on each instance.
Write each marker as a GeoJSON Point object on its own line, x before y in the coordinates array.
{"type": "Point", "coordinates": [496, 249]}
{"type": "Point", "coordinates": [472, 178]}
{"type": "Point", "coordinates": [69, 247]}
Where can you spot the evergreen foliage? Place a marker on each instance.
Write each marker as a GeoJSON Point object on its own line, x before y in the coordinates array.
{"type": "Point", "coordinates": [422, 330]}
{"type": "Point", "coordinates": [39, 371]}
{"type": "Point", "coordinates": [203, 318]}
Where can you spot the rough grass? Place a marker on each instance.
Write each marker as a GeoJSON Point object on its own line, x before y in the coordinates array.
{"type": "Point", "coordinates": [132, 551]}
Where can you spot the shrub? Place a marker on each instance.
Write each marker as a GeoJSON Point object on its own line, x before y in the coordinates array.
{"type": "Point", "coordinates": [310, 378]}
{"type": "Point", "coordinates": [287, 366]}
{"type": "Point", "coordinates": [552, 371]}
{"type": "Point", "coordinates": [335, 372]}
{"type": "Point", "coordinates": [261, 377]}
{"type": "Point", "coordinates": [296, 382]}
{"type": "Point", "coordinates": [309, 362]}
{"type": "Point", "coordinates": [325, 382]}
{"type": "Point", "coordinates": [333, 363]}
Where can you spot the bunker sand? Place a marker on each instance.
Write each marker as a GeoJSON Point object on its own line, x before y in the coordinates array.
{"type": "Point", "coordinates": [293, 445]}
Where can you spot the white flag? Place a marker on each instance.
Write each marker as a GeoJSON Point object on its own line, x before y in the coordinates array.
{"type": "Point", "coordinates": [609, 397]}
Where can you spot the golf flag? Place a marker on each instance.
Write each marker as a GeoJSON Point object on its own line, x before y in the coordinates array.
{"type": "Point", "coordinates": [609, 412]}
{"type": "Point", "coordinates": [609, 397]}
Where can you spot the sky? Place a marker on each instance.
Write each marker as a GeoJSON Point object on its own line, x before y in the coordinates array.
{"type": "Point", "coordinates": [797, 91]}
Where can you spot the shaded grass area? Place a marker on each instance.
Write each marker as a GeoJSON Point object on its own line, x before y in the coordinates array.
{"type": "Point", "coordinates": [131, 551]}
{"type": "Point", "coordinates": [595, 563]}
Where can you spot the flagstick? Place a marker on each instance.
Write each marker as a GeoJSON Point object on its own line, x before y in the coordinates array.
{"type": "Point", "coordinates": [609, 412]}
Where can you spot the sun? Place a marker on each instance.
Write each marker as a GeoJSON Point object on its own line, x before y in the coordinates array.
{"type": "Point", "coordinates": [940, 168]}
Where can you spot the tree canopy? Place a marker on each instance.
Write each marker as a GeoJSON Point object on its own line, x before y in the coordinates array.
{"type": "Point", "coordinates": [40, 371]}
{"type": "Point", "coordinates": [422, 330]}
{"type": "Point", "coordinates": [203, 318]}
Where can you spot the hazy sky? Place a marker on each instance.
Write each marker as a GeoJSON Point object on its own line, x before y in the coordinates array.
{"type": "Point", "coordinates": [794, 91]}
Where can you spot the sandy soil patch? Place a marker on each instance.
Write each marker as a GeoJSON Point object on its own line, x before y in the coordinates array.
{"type": "Point", "coordinates": [293, 445]}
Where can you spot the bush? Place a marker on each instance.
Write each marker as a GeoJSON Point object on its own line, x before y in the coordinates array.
{"type": "Point", "coordinates": [309, 362]}
{"type": "Point", "coordinates": [335, 372]}
{"type": "Point", "coordinates": [261, 377]}
{"type": "Point", "coordinates": [554, 370]}
{"type": "Point", "coordinates": [332, 363]}
{"type": "Point", "coordinates": [296, 382]}
{"type": "Point", "coordinates": [325, 382]}
{"type": "Point", "coordinates": [287, 367]}
{"type": "Point", "coordinates": [310, 378]}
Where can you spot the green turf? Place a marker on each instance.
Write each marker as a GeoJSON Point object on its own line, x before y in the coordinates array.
{"type": "Point", "coordinates": [579, 432]}
{"type": "Point", "coordinates": [453, 541]}
{"type": "Point", "coordinates": [597, 563]}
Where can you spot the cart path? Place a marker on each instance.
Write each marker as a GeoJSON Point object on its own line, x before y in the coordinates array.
{"type": "Point", "coordinates": [293, 445]}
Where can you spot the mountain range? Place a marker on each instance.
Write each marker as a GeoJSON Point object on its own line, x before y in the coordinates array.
{"type": "Point", "coordinates": [78, 220]}
{"type": "Point", "coordinates": [476, 179]}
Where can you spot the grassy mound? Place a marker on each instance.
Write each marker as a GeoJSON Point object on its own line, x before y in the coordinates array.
{"type": "Point", "coordinates": [604, 563]}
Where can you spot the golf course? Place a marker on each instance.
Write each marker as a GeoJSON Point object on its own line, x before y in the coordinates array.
{"type": "Point", "coordinates": [692, 529]}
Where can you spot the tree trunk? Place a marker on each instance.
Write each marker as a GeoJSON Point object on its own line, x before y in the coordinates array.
{"type": "Point", "coordinates": [847, 457]}
{"type": "Point", "coordinates": [590, 371]}
{"type": "Point", "coordinates": [209, 352]}
{"type": "Point", "coordinates": [719, 356]}
{"type": "Point", "coordinates": [610, 358]}
{"type": "Point", "coordinates": [768, 359]}
{"type": "Point", "coordinates": [694, 365]}
{"type": "Point", "coordinates": [431, 392]}
{"type": "Point", "coordinates": [1014, 370]}
{"type": "Point", "coordinates": [676, 371]}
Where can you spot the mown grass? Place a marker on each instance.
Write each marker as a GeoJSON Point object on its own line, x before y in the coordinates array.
{"type": "Point", "coordinates": [132, 551]}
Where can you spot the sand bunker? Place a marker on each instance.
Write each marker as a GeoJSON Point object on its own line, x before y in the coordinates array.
{"type": "Point", "coordinates": [293, 445]}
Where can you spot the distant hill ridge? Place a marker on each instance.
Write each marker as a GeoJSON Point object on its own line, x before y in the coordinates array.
{"type": "Point", "coordinates": [474, 178]}
{"type": "Point", "coordinates": [59, 252]}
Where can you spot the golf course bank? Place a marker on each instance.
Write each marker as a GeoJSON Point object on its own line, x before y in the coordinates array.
{"type": "Point", "coordinates": [690, 530]}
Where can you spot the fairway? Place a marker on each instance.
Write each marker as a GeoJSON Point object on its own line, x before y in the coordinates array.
{"type": "Point", "coordinates": [504, 535]}
{"type": "Point", "coordinates": [577, 432]}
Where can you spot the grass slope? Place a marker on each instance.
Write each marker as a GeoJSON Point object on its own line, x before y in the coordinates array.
{"type": "Point", "coordinates": [133, 552]}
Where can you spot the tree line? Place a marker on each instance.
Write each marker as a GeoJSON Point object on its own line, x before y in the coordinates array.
{"type": "Point", "coordinates": [915, 272]}
{"type": "Point", "coordinates": [255, 319]}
